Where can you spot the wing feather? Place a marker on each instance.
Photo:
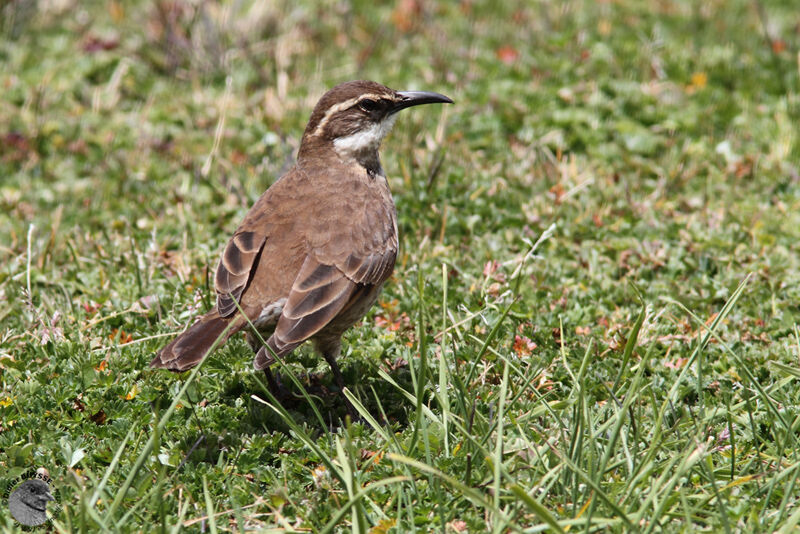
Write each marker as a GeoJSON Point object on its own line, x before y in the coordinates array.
{"type": "Point", "coordinates": [235, 269]}
{"type": "Point", "coordinates": [319, 294]}
{"type": "Point", "coordinates": [303, 303]}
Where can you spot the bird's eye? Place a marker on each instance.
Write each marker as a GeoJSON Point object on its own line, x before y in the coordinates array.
{"type": "Point", "coordinates": [369, 105]}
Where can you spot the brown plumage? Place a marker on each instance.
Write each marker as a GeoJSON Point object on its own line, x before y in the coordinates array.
{"type": "Point", "coordinates": [312, 254]}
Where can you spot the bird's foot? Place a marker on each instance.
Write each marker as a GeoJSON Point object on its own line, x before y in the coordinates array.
{"type": "Point", "coordinates": [276, 387]}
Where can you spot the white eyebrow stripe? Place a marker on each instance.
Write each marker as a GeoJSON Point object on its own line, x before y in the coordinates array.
{"type": "Point", "coordinates": [342, 106]}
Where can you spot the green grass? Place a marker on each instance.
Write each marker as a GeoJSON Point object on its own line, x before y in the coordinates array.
{"type": "Point", "coordinates": [636, 368]}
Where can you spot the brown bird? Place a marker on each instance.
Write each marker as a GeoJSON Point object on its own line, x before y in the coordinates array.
{"type": "Point", "coordinates": [312, 254]}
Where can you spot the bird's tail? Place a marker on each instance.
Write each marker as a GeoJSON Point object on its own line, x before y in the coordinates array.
{"type": "Point", "coordinates": [191, 346]}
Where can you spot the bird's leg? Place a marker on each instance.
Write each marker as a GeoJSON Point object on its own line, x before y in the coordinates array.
{"type": "Point", "coordinates": [276, 387]}
{"type": "Point", "coordinates": [330, 351]}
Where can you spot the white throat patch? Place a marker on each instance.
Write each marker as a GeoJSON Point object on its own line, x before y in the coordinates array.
{"type": "Point", "coordinates": [366, 140]}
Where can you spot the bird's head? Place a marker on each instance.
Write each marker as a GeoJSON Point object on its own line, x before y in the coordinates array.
{"type": "Point", "coordinates": [35, 493]}
{"type": "Point", "coordinates": [354, 117]}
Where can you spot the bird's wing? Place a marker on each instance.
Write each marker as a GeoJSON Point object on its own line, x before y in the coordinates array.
{"type": "Point", "coordinates": [319, 293]}
{"type": "Point", "coordinates": [236, 268]}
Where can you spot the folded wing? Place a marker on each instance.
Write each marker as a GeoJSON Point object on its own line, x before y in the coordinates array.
{"type": "Point", "coordinates": [236, 268]}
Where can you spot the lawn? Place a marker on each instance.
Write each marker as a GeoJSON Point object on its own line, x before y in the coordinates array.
{"type": "Point", "coordinates": [593, 320]}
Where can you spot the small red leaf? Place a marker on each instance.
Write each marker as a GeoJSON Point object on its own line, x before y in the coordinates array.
{"type": "Point", "coordinates": [507, 54]}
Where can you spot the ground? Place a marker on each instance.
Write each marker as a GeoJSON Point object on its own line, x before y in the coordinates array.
{"type": "Point", "coordinates": [592, 324]}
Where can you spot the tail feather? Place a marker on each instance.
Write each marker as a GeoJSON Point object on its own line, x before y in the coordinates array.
{"type": "Point", "coordinates": [191, 346]}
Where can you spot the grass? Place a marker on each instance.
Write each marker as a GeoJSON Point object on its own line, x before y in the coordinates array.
{"type": "Point", "coordinates": [592, 324]}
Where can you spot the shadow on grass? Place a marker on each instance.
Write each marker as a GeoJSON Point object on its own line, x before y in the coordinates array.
{"type": "Point", "coordinates": [210, 439]}
{"type": "Point", "coordinates": [360, 377]}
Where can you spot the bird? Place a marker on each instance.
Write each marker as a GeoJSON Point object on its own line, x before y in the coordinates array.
{"type": "Point", "coordinates": [311, 256]}
{"type": "Point", "coordinates": [28, 503]}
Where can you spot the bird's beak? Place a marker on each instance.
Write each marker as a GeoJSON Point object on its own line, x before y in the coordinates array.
{"type": "Point", "coordinates": [415, 98]}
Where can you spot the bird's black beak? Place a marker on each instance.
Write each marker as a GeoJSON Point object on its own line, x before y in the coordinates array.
{"type": "Point", "coordinates": [416, 98]}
